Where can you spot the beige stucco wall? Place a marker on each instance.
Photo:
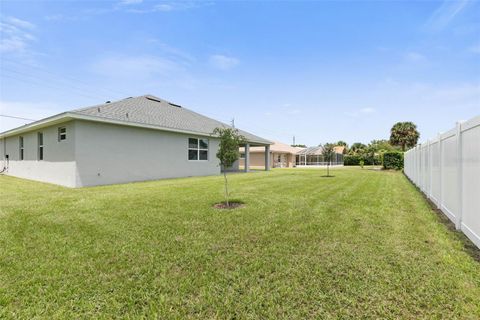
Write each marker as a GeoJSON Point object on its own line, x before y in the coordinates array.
{"type": "Point", "coordinates": [257, 160]}
{"type": "Point", "coordinates": [288, 163]}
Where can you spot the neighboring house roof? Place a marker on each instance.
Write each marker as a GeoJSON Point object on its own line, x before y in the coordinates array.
{"type": "Point", "coordinates": [339, 149]}
{"type": "Point", "coordinates": [311, 151]}
{"type": "Point", "coordinates": [276, 147]}
{"type": "Point", "coordinates": [144, 111]}
{"type": "Point", "coordinates": [318, 150]}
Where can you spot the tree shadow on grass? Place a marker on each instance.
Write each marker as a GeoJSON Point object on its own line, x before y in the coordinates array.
{"type": "Point", "coordinates": [330, 176]}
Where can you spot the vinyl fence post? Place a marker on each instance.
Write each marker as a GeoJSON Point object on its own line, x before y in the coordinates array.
{"type": "Point", "coordinates": [415, 165]}
{"type": "Point", "coordinates": [440, 170]}
{"type": "Point", "coordinates": [420, 161]}
{"type": "Point", "coordinates": [430, 169]}
{"type": "Point", "coordinates": [422, 167]}
{"type": "Point", "coordinates": [418, 167]}
{"type": "Point", "coordinates": [458, 222]}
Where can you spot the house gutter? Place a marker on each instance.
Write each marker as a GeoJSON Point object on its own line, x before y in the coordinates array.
{"type": "Point", "coordinates": [67, 116]}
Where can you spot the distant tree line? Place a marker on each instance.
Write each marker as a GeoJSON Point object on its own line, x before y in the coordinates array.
{"type": "Point", "coordinates": [403, 136]}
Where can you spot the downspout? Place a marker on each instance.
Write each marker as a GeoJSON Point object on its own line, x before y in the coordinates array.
{"type": "Point", "coordinates": [5, 157]}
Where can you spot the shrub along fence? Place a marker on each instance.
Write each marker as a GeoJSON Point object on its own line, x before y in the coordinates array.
{"type": "Point", "coordinates": [393, 160]}
{"type": "Point", "coordinates": [447, 170]}
{"type": "Point", "coordinates": [354, 160]}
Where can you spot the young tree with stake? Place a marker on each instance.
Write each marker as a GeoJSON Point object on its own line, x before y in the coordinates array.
{"type": "Point", "coordinates": [328, 152]}
{"type": "Point", "coordinates": [228, 151]}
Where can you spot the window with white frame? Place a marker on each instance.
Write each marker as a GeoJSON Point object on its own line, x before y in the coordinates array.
{"type": "Point", "coordinates": [62, 133]}
{"type": "Point", "coordinates": [197, 149]}
{"type": "Point", "coordinates": [40, 145]}
{"type": "Point", "coordinates": [21, 148]}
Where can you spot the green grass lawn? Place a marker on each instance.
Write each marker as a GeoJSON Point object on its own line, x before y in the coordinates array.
{"type": "Point", "coordinates": [363, 244]}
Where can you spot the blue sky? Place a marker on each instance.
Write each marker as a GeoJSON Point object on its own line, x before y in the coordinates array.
{"type": "Point", "coordinates": [322, 71]}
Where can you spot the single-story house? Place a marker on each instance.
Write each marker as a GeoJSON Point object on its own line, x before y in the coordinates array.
{"type": "Point", "coordinates": [134, 139]}
{"type": "Point", "coordinates": [281, 156]}
{"type": "Point", "coordinates": [313, 156]}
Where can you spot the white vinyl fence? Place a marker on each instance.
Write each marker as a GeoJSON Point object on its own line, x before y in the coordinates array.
{"type": "Point", "coordinates": [447, 170]}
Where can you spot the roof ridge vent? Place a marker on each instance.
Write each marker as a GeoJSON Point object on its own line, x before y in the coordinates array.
{"type": "Point", "coordinates": [174, 105]}
{"type": "Point", "coordinates": [153, 99]}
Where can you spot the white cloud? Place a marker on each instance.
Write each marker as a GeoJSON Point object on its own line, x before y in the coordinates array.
{"type": "Point", "coordinates": [426, 100]}
{"type": "Point", "coordinates": [414, 57]}
{"type": "Point", "coordinates": [294, 111]}
{"type": "Point", "coordinates": [475, 49]}
{"type": "Point", "coordinates": [15, 36]}
{"type": "Point", "coordinates": [285, 110]}
{"type": "Point", "coordinates": [351, 114]}
{"type": "Point", "coordinates": [367, 110]}
{"type": "Point", "coordinates": [19, 23]}
{"type": "Point", "coordinates": [389, 81]}
{"type": "Point", "coordinates": [444, 14]}
{"type": "Point", "coordinates": [12, 45]}
{"type": "Point", "coordinates": [164, 7]}
{"type": "Point", "coordinates": [128, 2]}
{"type": "Point", "coordinates": [458, 94]}
{"type": "Point", "coordinates": [167, 6]}
{"type": "Point", "coordinates": [172, 52]}
{"type": "Point", "coordinates": [359, 112]}
{"type": "Point", "coordinates": [145, 72]}
{"type": "Point", "coordinates": [62, 17]}
{"type": "Point", "coordinates": [383, 49]}
{"type": "Point", "coordinates": [223, 62]}
{"type": "Point", "coordinates": [134, 66]}
{"type": "Point", "coordinates": [55, 17]}
{"type": "Point", "coordinates": [289, 109]}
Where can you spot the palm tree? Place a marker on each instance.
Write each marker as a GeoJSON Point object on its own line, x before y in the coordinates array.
{"type": "Point", "coordinates": [357, 148]}
{"type": "Point", "coordinates": [404, 134]}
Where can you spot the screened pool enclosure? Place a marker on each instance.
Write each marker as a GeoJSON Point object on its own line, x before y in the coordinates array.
{"type": "Point", "coordinates": [313, 157]}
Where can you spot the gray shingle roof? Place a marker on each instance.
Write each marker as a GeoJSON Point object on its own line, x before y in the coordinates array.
{"type": "Point", "coordinates": [153, 111]}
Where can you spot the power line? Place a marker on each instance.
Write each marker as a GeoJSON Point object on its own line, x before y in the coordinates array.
{"type": "Point", "coordinates": [39, 84]}
{"type": "Point", "coordinates": [248, 127]}
{"type": "Point", "coordinates": [93, 92]}
{"type": "Point", "coordinates": [59, 85]}
{"type": "Point", "coordinates": [64, 77]}
{"type": "Point", "coordinates": [15, 117]}
{"type": "Point", "coordinates": [38, 81]}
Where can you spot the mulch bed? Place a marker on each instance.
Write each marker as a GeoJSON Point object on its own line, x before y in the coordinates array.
{"type": "Point", "coordinates": [232, 205]}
